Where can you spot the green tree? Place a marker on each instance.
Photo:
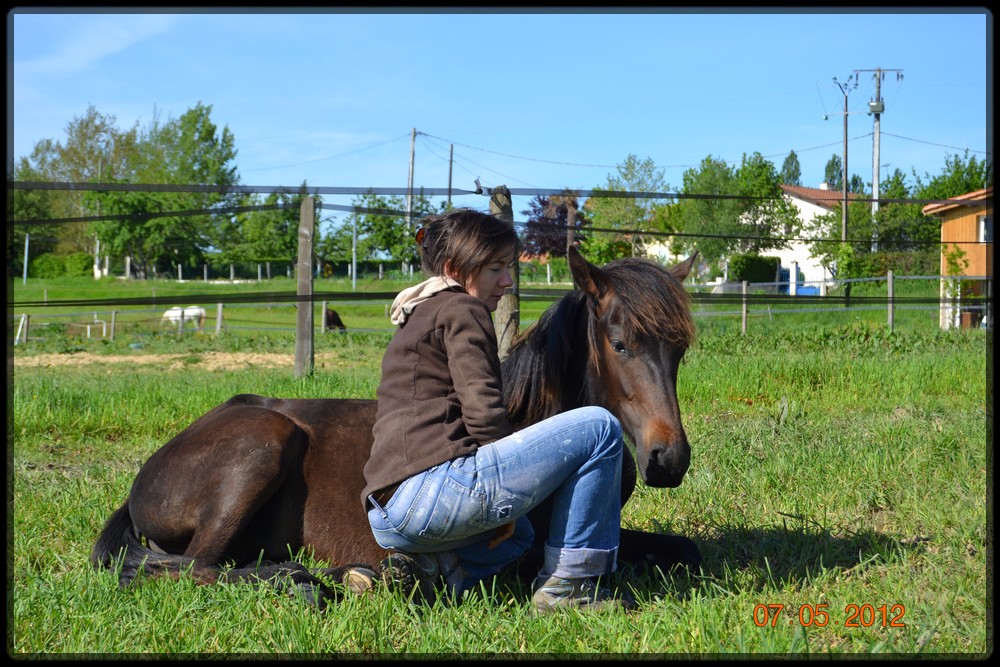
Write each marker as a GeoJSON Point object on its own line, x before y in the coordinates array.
{"type": "Point", "coordinates": [791, 170]}
{"type": "Point", "coordinates": [900, 226]}
{"type": "Point", "coordinates": [272, 234]}
{"type": "Point", "coordinates": [625, 213]}
{"type": "Point", "coordinates": [707, 211]}
{"type": "Point", "coordinates": [190, 150]}
{"type": "Point", "coordinates": [29, 205]}
{"type": "Point", "coordinates": [382, 230]}
{"type": "Point", "coordinates": [742, 210]}
{"type": "Point", "coordinates": [766, 217]}
{"type": "Point", "coordinates": [94, 150]}
{"type": "Point", "coordinates": [960, 175]}
{"type": "Point", "coordinates": [833, 174]}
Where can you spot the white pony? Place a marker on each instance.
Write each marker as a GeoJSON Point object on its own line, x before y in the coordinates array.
{"type": "Point", "coordinates": [178, 316]}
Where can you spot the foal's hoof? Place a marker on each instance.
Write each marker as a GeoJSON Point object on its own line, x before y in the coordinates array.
{"type": "Point", "coordinates": [316, 594]}
{"type": "Point", "coordinates": [359, 580]}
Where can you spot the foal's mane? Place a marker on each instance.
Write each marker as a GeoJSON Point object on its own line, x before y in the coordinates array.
{"type": "Point", "coordinates": [543, 374]}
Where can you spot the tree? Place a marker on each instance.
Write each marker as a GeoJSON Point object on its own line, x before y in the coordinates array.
{"type": "Point", "coordinates": [742, 210]}
{"type": "Point", "coordinates": [624, 213]}
{"type": "Point", "coordinates": [29, 205]}
{"type": "Point", "coordinates": [833, 175]}
{"type": "Point", "coordinates": [766, 215]}
{"type": "Point", "coordinates": [546, 230]}
{"type": "Point", "coordinates": [791, 170]}
{"type": "Point", "coordinates": [900, 226]}
{"type": "Point", "coordinates": [273, 234]}
{"type": "Point", "coordinates": [382, 233]}
{"type": "Point", "coordinates": [94, 150]}
{"type": "Point", "coordinates": [707, 212]}
{"type": "Point", "coordinates": [960, 175]}
{"type": "Point", "coordinates": [188, 151]}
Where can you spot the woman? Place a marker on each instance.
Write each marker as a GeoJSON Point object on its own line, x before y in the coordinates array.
{"type": "Point", "coordinates": [449, 481]}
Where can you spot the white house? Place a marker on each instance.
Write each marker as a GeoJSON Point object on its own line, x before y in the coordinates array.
{"type": "Point", "coordinates": [809, 202]}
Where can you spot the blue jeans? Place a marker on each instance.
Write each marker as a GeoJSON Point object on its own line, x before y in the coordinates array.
{"type": "Point", "coordinates": [453, 508]}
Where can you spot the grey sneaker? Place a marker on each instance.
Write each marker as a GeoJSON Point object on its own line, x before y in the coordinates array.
{"type": "Point", "coordinates": [554, 593]}
{"type": "Point", "coordinates": [414, 574]}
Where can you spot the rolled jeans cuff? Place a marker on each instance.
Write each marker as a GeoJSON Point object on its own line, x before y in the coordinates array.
{"type": "Point", "coordinates": [579, 563]}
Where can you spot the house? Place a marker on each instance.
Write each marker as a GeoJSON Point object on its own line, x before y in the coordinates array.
{"type": "Point", "coordinates": [966, 249]}
{"type": "Point", "coordinates": [810, 203]}
{"type": "Point", "coordinates": [809, 274]}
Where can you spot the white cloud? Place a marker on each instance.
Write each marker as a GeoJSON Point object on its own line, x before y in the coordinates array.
{"type": "Point", "coordinates": [80, 43]}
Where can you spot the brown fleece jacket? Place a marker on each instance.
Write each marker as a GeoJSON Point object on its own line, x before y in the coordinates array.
{"type": "Point", "coordinates": [441, 393]}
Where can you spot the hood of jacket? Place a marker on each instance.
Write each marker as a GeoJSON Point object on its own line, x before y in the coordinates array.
{"type": "Point", "coordinates": [412, 297]}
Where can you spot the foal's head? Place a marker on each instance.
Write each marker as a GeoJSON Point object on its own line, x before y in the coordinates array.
{"type": "Point", "coordinates": [640, 327]}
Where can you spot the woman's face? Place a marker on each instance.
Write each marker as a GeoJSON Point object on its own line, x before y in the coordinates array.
{"type": "Point", "coordinates": [491, 281]}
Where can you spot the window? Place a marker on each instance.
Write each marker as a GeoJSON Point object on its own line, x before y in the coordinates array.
{"type": "Point", "coordinates": [985, 229]}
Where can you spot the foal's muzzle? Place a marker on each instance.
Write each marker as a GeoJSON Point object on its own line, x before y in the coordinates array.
{"type": "Point", "coordinates": [664, 464]}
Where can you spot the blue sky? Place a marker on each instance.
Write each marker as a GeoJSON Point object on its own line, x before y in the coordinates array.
{"type": "Point", "coordinates": [523, 98]}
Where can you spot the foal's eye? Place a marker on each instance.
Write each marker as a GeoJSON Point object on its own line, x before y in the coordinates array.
{"type": "Point", "coordinates": [618, 346]}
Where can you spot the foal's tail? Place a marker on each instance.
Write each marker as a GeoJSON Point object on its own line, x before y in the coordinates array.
{"type": "Point", "coordinates": [119, 541]}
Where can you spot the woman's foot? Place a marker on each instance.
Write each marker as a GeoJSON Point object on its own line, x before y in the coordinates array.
{"type": "Point", "coordinates": [415, 574]}
{"type": "Point", "coordinates": [555, 593]}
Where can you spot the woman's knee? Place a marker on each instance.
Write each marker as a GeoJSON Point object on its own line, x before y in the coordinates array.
{"type": "Point", "coordinates": [608, 427]}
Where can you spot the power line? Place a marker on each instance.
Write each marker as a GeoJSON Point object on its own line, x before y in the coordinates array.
{"type": "Point", "coordinates": [920, 141]}
{"type": "Point", "coordinates": [679, 166]}
{"type": "Point", "coordinates": [388, 191]}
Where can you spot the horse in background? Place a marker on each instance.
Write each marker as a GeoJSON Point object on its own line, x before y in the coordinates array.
{"type": "Point", "coordinates": [177, 316]}
{"type": "Point", "coordinates": [332, 321]}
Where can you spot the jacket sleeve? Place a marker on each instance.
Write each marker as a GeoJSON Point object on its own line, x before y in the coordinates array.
{"type": "Point", "coordinates": [471, 343]}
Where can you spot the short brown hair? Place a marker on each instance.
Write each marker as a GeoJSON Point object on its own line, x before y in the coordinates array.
{"type": "Point", "coordinates": [465, 238]}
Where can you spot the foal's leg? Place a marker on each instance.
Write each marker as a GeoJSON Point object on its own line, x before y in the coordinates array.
{"type": "Point", "coordinates": [654, 550]}
{"type": "Point", "coordinates": [228, 489]}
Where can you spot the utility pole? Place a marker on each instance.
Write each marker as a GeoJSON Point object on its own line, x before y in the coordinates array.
{"type": "Point", "coordinates": [845, 88]}
{"type": "Point", "coordinates": [451, 159]}
{"type": "Point", "coordinates": [409, 189]}
{"type": "Point", "coordinates": [876, 107]}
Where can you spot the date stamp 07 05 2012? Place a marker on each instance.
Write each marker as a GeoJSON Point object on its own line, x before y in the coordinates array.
{"type": "Point", "coordinates": [818, 615]}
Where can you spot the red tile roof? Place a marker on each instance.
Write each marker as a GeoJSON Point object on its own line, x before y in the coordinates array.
{"type": "Point", "coordinates": [828, 199]}
{"type": "Point", "coordinates": [977, 198]}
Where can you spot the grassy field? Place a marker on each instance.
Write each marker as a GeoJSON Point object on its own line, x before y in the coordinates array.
{"type": "Point", "coordinates": [838, 491]}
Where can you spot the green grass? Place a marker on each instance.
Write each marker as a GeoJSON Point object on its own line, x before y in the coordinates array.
{"type": "Point", "coordinates": [840, 465]}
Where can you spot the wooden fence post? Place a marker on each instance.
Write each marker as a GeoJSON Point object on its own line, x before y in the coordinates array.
{"type": "Point", "coordinates": [508, 313]}
{"type": "Point", "coordinates": [114, 316]}
{"type": "Point", "coordinates": [218, 318]}
{"type": "Point", "coordinates": [890, 291]}
{"type": "Point", "coordinates": [304, 353]}
{"type": "Point", "coordinates": [746, 287]}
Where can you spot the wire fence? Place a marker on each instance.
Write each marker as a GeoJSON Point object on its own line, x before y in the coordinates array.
{"type": "Point", "coordinates": [939, 298]}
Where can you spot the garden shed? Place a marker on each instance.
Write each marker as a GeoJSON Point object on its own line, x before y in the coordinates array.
{"type": "Point", "coordinates": [966, 250]}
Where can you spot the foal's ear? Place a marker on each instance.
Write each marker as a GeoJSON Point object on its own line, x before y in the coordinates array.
{"type": "Point", "coordinates": [681, 271]}
{"type": "Point", "coordinates": [586, 276]}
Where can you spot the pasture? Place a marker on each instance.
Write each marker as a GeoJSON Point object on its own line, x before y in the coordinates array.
{"type": "Point", "coordinates": [838, 491]}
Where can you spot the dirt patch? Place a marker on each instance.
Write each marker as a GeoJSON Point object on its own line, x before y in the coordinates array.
{"type": "Point", "coordinates": [203, 360]}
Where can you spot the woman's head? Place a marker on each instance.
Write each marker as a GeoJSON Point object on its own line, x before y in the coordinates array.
{"type": "Point", "coordinates": [470, 247]}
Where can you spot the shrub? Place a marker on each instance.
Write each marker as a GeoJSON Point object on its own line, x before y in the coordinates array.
{"type": "Point", "coordinates": [753, 268]}
{"type": "Point", "coordinates": [79, 264]}
{"type": "Point", "coordinates": [47, 266]}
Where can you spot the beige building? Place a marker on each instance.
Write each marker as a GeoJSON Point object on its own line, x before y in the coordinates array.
{"type": "Point", "coordinates": [967, 241]}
